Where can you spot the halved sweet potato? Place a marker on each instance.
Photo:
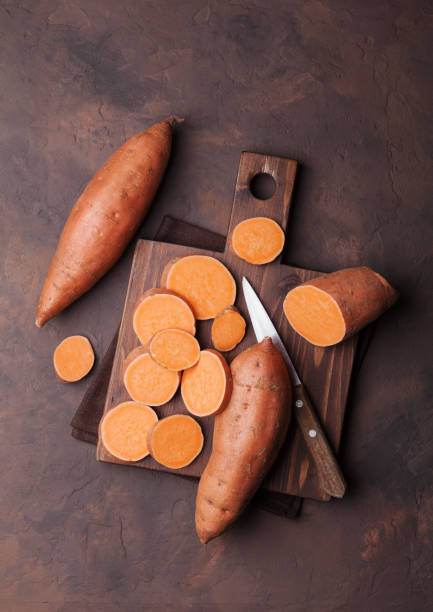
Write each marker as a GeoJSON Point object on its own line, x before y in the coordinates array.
{"type": "Point", "coordinates": [175, 441]}
{"type": "Point", "coordinates": [161, 309]}
{"type": "Point", "coordinates": [124, 429]}
{"type": "Point", "coordinates": [332, 307]}
{"type": "Point", "coordinates": [228, 329]}
{"type": "Point", "coordinates": [174, 349]}
{"type": "Point", "coordinates": [73, 358]}
{"type": "Point", "coordinates": [207, 386]}
{"type": "Point", "coordinates": [146, 381]}
{"type": "Point", "coordinates": [257, 240]}
{"type": "Point", "coordinates": [203, 281]}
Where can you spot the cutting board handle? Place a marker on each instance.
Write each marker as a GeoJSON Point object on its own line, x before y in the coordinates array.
{"type": "Point", "coordinates": [245, 205]}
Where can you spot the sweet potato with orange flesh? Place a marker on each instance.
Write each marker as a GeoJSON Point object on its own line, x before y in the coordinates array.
{"type": "Point", "coordinates": [247, 437]}
{"type": "Point", "coordinates": [146, 381]}
{"type": "Point", "coordinates": [175, 441]}
{"type": "Point", "coordinates": [333, 307]}
{"type": "Point", "coordinates": [73, 358]}
{"type": "Point", "coordinates": [228, 329]}
{"type": "Point", "coordinates": [207, 386]}
{"type": "Point", "coordinates": [124, 430]}
{"type": "Point", "coordinates": [105, 218]}
{"type": "Point", "coordinates": [258, 240]}
{"type": "Point", "coordinates": [161, 309]}
{"type": "Point", "coordinates": [203, 281]}
{"type": "Point", "coordinates": [174, 349]}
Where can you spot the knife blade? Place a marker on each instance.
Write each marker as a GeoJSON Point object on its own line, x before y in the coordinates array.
{"type": "Point", "coordinates": [330, 476]}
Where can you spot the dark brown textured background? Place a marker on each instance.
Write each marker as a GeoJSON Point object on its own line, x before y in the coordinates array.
{"type": "Point", "coordinates": [345, 88]}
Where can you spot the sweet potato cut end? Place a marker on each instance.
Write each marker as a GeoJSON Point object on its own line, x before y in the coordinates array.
{"type": "Point", "coordinates": [203, 281]}
{"type": "Point", "coordinates": [258, 240]}
{"type": "Point", "coordinates": [333, 307]}
{"type": "Point", "coordinates": [124, 430]}
{"type": "Point", "coordinates": [315, 315]}
{"type": "Point", "coordinates": [175, 441]}
{"type": "Point", "coordinates": [174, 349]}
{"type": "Point", "coordinates": [73, 358]}
{"type": "Point", "coordinates": [146, 381]}
{"type": "Point", "coordinates": [206, 387]}
{"type": "Point", "coordinates": [161, 309]}
{"type": "Point", "coordinates": [228, 329]}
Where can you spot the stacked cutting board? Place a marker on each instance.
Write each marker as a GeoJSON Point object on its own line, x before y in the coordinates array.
{"type": "Point", "coordinates": [326, 372]}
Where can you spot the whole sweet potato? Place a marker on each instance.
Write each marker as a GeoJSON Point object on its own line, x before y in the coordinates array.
{"type": "Point", "coordinates": [105, 218]}
{"type": "Point", "coordinates": [247, 437]}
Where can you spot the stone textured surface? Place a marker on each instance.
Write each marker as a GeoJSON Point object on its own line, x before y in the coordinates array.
{"type": "Point", "coordinates": [345, 87]}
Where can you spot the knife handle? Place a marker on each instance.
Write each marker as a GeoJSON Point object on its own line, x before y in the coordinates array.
{"type": "Point", "coordinates": [330, 477]}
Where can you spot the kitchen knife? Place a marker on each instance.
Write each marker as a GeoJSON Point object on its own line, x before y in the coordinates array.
{"type": "Point", "coordinates": [330, 477]}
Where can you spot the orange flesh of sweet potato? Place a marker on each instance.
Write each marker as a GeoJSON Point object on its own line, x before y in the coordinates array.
{"type": "Point", "coordinates": [258, 240]}
{"type": "Point", "coordinates": [124, 430]}
{"type": "Point", "coordinates": [73, 358]}
{"type": "Point", "coordinates": [174, 349]}
{"type": "Point", "coordinates": [330, 308]}
{"type": "Point", "coordinates": [207, 386]}
{"type": "Point", "coordinates": [146, 381]}
{"type": "Point", "coordinates": [159, 309]}
{"type": "Point", "coordinates": [175, 441]}
{"type": "Point", "coordinates": [228, 329]}
{"type": "Point", "coordinates": [247, 437]}
{"type": "Point", "coordinates": [203, 281]}
{"type": "Point", "coordinates": [105, 218]}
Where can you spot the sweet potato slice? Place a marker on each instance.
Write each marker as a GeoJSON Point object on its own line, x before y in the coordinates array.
{"type": "Point", "coordinates": [174, 349]}
{"type": "Point", "coordinates": [161, 309]}
{"type": "Point", "coordinates": [146, 381]}
{"type": "Point", "coordinates": [124, 429]}
{"type": "Point", "coordinates": [203, 281]}
{"type": "Point", "coordinates": [333, 307]}
{"type": "Point", "coordinates": [73, 358]}
{"type": "Point", "coordinates": [258, 240]}
{"type": "Point", "coordinates": [207, 386]}
{"type": "Point", "coordinates": [175, 441]}
{"type": "Point", "coordinates": [228, 329]}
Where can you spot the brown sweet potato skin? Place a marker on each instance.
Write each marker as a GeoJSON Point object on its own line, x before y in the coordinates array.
{"type": "Point", "coordinates": [105, 218]}
{"type": "Point", "coordinates": [247, 437]}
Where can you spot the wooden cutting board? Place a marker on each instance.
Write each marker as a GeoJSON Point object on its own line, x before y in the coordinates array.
{"type": "Point", "coordinates": [326, 372]}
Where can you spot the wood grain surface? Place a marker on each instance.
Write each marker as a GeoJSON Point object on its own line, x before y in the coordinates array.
{"type": "Point", "coordinates": [326, 372]}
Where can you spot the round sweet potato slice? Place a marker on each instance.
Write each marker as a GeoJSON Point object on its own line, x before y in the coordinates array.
{"type": "Point", "coordinates": [146, 381]}
{"type": "Point", "coordinates": [174, 349]}
{"type": "Point", "coordinates": [124, 430]}
{"type": "Point", "coordinates": [203, 281]}
{"type": "Point", "coordinates": [175, 441]}
{"type": "Point", "coordinates": [73, 359]}
{"type": "Point", "coordinates": [207, 386]}
{"type": "Point", "coordinates": [258, 240]}
{"type": "Point", "coordinates": [161, 309]}
{"type": "Point", "coordinates": [228, 329]}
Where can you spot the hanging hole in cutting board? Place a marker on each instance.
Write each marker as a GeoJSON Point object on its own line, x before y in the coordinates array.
{"type": "Point", "coordinates": [263, 186]}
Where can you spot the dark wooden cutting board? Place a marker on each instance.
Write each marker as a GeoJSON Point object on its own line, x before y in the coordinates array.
{"type": "Point", "coordinates": [326, 372]}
